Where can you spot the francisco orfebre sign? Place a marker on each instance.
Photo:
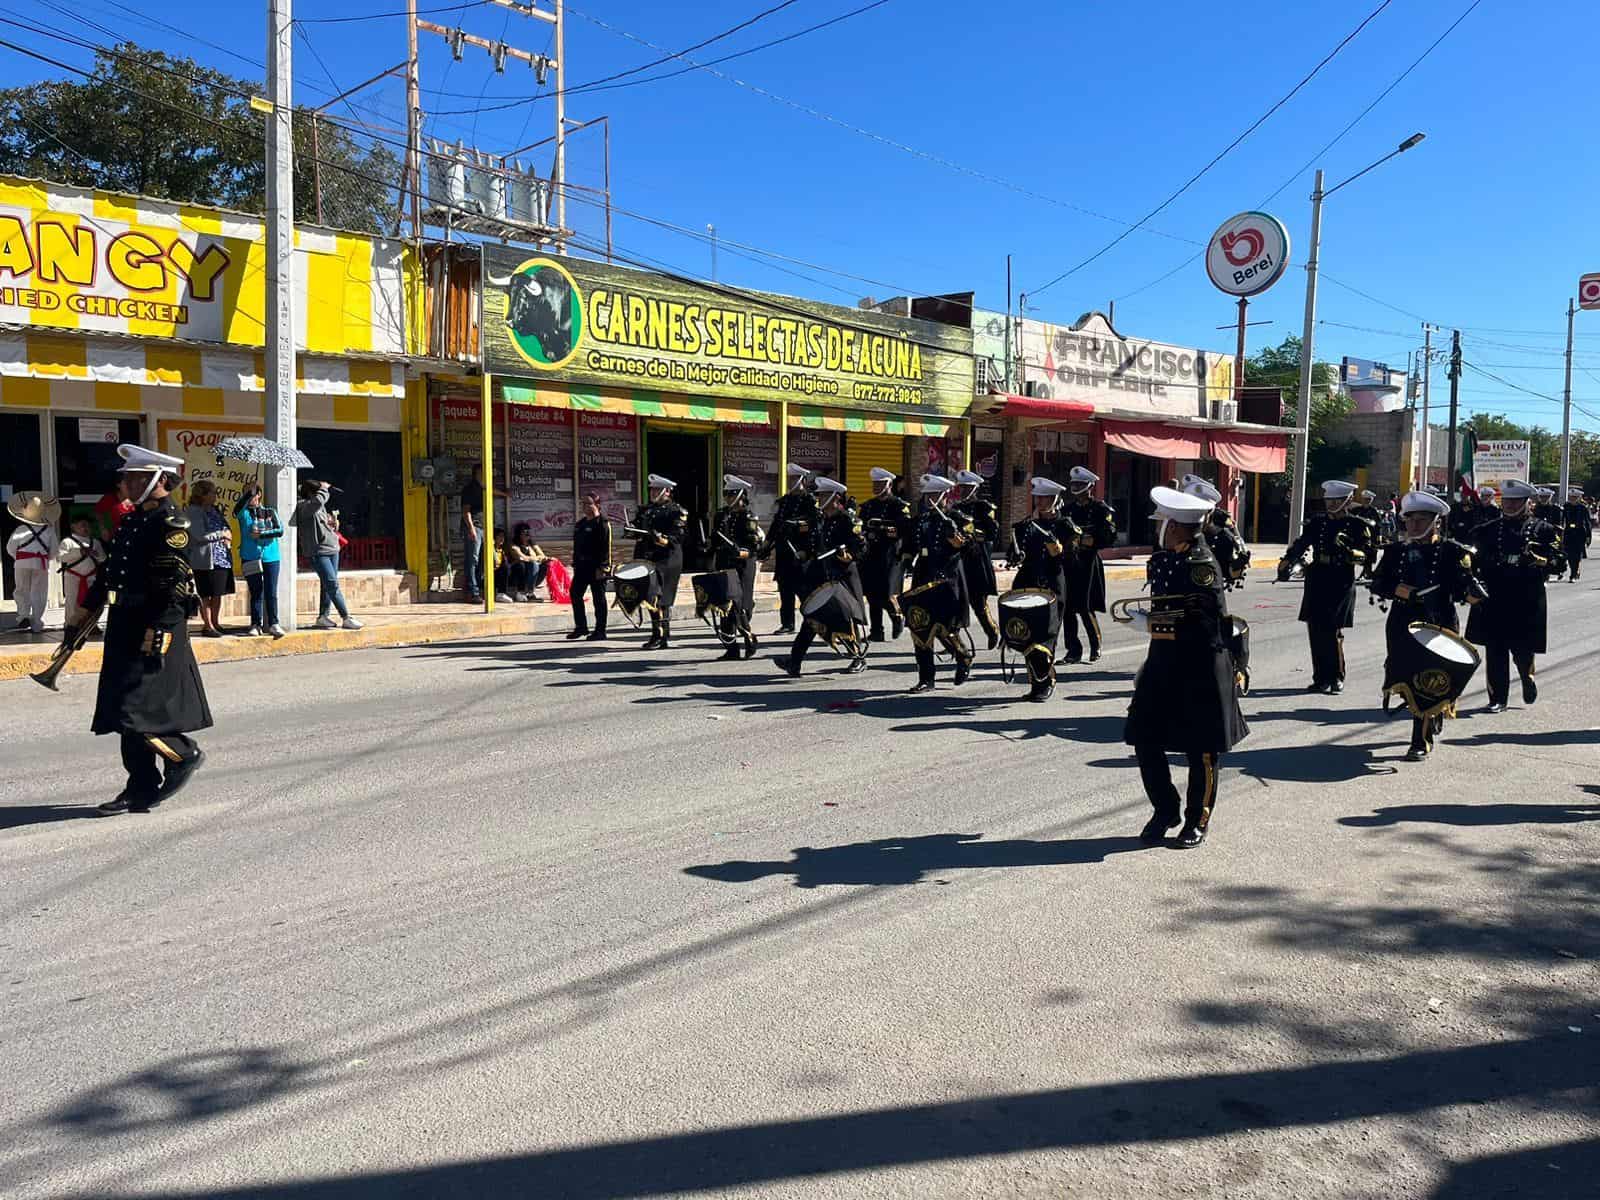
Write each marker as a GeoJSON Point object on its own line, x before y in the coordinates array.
{"type": "Point", "coordinates": [577, 322]}
{"type": "Point", "coordinates": [1248, 253]}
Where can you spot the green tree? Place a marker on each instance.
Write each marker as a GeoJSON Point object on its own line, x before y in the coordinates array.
{"type": "Point", "coordinates": [160, 125]}
{"type": "Point", "coordinates": [1327, 457]}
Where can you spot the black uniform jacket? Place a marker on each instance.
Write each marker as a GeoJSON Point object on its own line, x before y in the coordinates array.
{"type": "Point", "coordinates": [738, 526]}
{"type": "Point", "coordinates": [1086, 575]}
{"type": "Point", "coordinates": [838, 535]}
{"type": "Point", "coordinates": [1228, 546]}
{"type": "Point", "coordinates": [149, 681]}
{"type": "Point", "coordinates": [1339, 547]}
{"type": "Point", "coordinates": [1513, 559]}
{"type": "Point", "coordinates": [939, 554]}
{"type": "Point", "coordinates": [1043, 544]}
{"type": "Point", "coordinates": [1578, 529]}
{"type": "Point", "coordinates": [591, 545]}
{"type": "Point", "coordinates": [1183, 697]}
{"type": "Point", "coordinates": [794, 521]}
{"type": "Point", "coordinates": [979, 521]}
{"type": "Point", "coordinates": [890, 529]}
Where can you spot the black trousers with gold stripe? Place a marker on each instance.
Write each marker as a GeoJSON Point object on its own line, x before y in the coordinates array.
{"type": "Point", "coordinates": [1327, 654]}
{"type": "Point", "coordinates": [1157, 776]}
{"type": "Point", "coordinates": [143, 754]}
{"type": "Point", "coordinates": [1069, 631]}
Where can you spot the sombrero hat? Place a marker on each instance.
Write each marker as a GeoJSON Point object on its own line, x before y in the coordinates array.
{"type": "Point", "coordinates": [34, 508]}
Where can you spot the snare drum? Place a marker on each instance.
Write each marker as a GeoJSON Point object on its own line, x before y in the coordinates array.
{"type": "Point", "coordinates": [1434, 667]}
{"type": "Point", "coordinates": [1030, 618]}
{"type": "Point", "coordinates": [716, 592]}
{"type": "Point", "coordinates": [932, 610]}
{"type": "Point", "coordinates": [635, 585]}
{"type": "Point", "coordinates": [833, 610]}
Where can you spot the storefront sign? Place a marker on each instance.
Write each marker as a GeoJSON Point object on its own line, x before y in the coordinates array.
{"type": "Point", "coordinates": [751, 452]}
{"type": "Point", "coordinates": [1495, 462]}
{"type": "Point", "coordinates": [608, 462]}
{"type": "Point", "coordinates": [1092, 363]}
{"type": "Point", "coordinates": [539, 441]}
{"type": "Point", "coordinates": [817, 450]}
{"type": "Point", "coordinates": [161, 270]}
{"type": "Point", "coordinates": [196, 443]}
{"type": "Point", "coordinates": [586, 323]}
{"type": "Point", "coordinates": [97, 429]}
{"type": "Point", "coordinates": [1248, 253]}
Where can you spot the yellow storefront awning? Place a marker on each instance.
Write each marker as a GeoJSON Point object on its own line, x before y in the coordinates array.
{"type": "Point", "coordinates": [811, 417]}
{"type": "Point", "coordinates": [640, 402]}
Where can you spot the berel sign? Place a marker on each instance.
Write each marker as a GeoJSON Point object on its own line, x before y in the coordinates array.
{"type": "Point", "coordinates": [1248, 253]}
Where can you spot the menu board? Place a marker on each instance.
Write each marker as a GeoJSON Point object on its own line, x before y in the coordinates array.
{"type": "Point", "coordinates": [751, 452]}
{"type": "Point", "coordinates": [539, 442]}
{"type": "Point", "coordinates": [608, 461]}
{"type": "Point", "coordinates": [817, 450]}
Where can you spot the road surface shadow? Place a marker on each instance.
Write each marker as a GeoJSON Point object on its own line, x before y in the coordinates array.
{"type": "Point", "coordinates": [1477, 814]}
{"type": "Point", "coordinates": [1547, 1073]}
{"type": "Point", "coordinates": [191, 1088]}
{"type": "Point", "coordinates": [42, 814]}
{"type": "Point", "coordinates": [914, 859]}
{"type": "Point", "coordinates": [1555, 737]}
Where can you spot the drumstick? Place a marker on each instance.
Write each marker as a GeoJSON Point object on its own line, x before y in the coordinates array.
{"type": "Point", "coordinates": [728, 539]}
{"type": "Point", "coordinates": [829, 554]}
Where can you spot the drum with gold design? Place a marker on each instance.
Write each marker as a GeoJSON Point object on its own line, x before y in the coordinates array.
{"type": "Point", "coordinates": [635, 585]}
{"type": "Point", "coordinates": [933, 609]}
{"type": "Point", "coordinates": [1030, 618]}
{"type": "Point", "coordinates": [1433, 669]}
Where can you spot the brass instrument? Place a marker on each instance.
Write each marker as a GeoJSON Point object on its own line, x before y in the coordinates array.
{"type": "Point", "coordinates": [70, 645]}
{"type": "Point", "coordinates": [1123, 611]}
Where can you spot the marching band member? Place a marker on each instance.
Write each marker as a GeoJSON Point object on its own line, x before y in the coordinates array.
{"type": "Point", "coordinates": [835, 544]}
{"type": "Point", "coordinates": [1183, 697]}
{"type": "Point", "coordinates": [1515, 552]}
{"type": "Point", "coordinates": [1086, 574]}
{"type": "Point", "coordinates": [1039, 544]}
{"type": "Point", "coordinates": [889, 525]}
{"type": "Point", "coordinates": [1577, 533]}
{"type": "Point", "coordinates": [1364, 507]}
{"type": "Point", "coordinates": [939, 543]}
{"type": "Point", "coordinates": [1424, 576]}
{"type": "Point", "coordinates": [1222, 535]}
{"type": "Point", "coordinates": [150, 692]}
{"type": "Point", "coordinates": [80, 555]}
{"type": "Point", "coordinates": [979, 522]}
{"type": "Point", "coordinates": [1339, 544]}
{"type": "Point", "coordinates": [793, 520]}
{"type": "Point", "coordinates": [737, 536]}
{"type": "Point", "coordinates": [663, 523]}
{"type": "Point", "coordinates": [32, 546]}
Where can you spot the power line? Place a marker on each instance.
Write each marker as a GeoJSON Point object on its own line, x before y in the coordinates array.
{"type": "Point", "coordinates": [1226, 150]}
{"type": "Point", "coordinates": [380, 16]}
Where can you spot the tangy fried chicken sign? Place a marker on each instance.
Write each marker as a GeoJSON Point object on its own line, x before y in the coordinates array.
{"type": "Point", "coordinates": [1248, 254]}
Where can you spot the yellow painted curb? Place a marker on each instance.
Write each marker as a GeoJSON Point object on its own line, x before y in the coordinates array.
{"type": "Point", "coordinates": [409, 632]}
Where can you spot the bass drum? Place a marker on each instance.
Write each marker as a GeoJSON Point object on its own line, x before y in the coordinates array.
{"type": "Point", "coordinates": [716, 594]}
{"type": "Point", "coordinates": [636, 586]}
{"type": "Point", "coordinates": [836, 614]}
{"type": "Point", "coordinates": [1435, 666]}
{"type": "Point", "coordinates": [1029, 618]}
{"type": "Point", "coordinates": [933, 610]}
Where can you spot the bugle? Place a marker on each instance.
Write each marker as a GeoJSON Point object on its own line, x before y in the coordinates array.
{"type": "Point", "coordinates": [71, 643]}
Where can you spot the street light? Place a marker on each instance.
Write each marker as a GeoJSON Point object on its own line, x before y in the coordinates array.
{"type": "Point", "coordinates": [1297, 504]}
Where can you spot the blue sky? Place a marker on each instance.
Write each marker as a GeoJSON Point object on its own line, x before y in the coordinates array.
{"type": "Point", "coordinates": [825, 152]}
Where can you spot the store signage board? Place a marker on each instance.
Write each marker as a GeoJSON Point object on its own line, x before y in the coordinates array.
{"type": "Point", "coordinates": [1589, 291]}
{"type": "Point", "coordinates": [1248, 253]}
{"type": "Point", "coordinates": [572, 321]}
{"type": "Point", "coordinates": [1494, 462]}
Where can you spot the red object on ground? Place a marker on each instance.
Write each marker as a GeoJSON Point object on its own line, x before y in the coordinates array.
{"type": "Point", "coordinates": [559, 580]}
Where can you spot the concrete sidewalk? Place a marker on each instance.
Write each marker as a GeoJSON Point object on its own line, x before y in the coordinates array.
{"type": "Point", "coordinates": [420, 624]}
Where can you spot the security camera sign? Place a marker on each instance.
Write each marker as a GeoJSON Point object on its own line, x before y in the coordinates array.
{"type": "Point", "coordinates": [1248, 253]}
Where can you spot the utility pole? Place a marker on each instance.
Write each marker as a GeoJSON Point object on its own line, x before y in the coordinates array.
{"type": "Point", "coordinates": [560, 180]}
{"type": "Point", "coordinates": [280, 357]}
{"type": "Point", "coordinates": [1566, 415]}
{"type": "Point", "coordinates": [712, 231]}
{"type": "Point", "coordinates": [1455, 395]}
{"type": "Point", "coordinates": [413, 168]}
{"type": "Point", "coordinates": [1302, 438]}
{"type": "Point", "coordinates": [1008, 323]}
{"type": "Point", "coordinates": [1427, 383]}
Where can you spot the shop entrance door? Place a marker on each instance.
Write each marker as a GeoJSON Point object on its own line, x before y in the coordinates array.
{"type": "Point", "coordinates": [87, 461]}
{"type": "Point", "coordinates": [688, 456]}
{"type": "Point", "coordinates": [1129, 478]}
{"type": "Point", "coordinates": [21, 470]}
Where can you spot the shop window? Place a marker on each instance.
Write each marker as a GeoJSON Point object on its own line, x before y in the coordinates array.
{"type": "Point", "coordinates": [21, 470]}
{"type": "Point", "coordinates": [366, 465]}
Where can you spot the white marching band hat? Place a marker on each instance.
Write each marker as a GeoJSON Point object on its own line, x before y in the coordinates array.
{"type": "Point", "coordinates": [1546, 493]}
{"type": "Point", "coordinates": [969, 478]}
{"type": "Point", "coordinates": [1485, 493]}
{"type": "Point", "coordinates": [1337, 489]}
{"type": "Point", "coordinates": [796, 471]}
{"type": "Point", "coordinates": [1366, 495]}
{"type": "Point", "coordinates": [1082, 475]}
{"type": "Point", "coordinates": [1046, 487]}
{"type": "Point", "coordinates": [1196, 486]}
{"type": "Point", "coordinates": [1518, 489]}
{"type": "Point", "coordinates": [732, 483]}
{"type": "Point", "coordinates": [1423, 502]}
{"type": "Point", "coordinates": [661, 481]}
{"type": "Point", "coordinates": [937, 483]}
{"type": "Point", "coordinates": [830, 487]}
{"type": "Point", "coordinates": [1182, 507]}
{"type": "Point", "coordinates": [882, 475]}
{"type": "Point", "coordinates": [137, 458]}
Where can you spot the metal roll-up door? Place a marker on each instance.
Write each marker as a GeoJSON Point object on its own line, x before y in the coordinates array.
{"type": "Point", "coordinates": [863, 451]}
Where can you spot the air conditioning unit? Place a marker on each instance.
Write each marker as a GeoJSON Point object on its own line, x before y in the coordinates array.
{"type": "Point", "coordinates": [1225, 410]}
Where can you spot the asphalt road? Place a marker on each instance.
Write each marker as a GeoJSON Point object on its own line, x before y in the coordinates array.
{"type": "Point", "coordinates": [523, 917]}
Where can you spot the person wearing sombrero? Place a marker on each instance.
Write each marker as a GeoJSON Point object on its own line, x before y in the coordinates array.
{"type": "Point", "coordinates": [33, 544]}
{"type": "Point", "coordinates": [150, 692]}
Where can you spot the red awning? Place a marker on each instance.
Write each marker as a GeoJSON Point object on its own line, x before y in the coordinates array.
{"type": "Point", "coordinates": [1152, 438]}
{"type": "Point", "coordinates": [1263, 453]}
{"type": "Point", "coordinates": [1033, 406]}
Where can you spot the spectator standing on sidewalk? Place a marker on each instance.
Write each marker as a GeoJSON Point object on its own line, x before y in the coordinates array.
{"type": "Point", "coordinates": [591, 563]}
{"type": "Point", "coordinates": [210, 555]}
{"type": "Point", "coordinates": [319, 530]}
{"type": "Point", "coordinates": [472, 533]}
{"type": "Point", "coordinates": [112, 507]}
{"type": "Point", "coordinates": [260, 555]}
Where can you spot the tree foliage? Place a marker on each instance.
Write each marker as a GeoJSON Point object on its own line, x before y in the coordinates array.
{"type": "Point", "coordinates": [159, 125]}
{"type": "Point", "coordinates": [1544, 446]}
{"type": "Point", "coordinates": [1279, 366]}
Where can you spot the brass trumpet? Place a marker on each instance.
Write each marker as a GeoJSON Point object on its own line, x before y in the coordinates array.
{"type": "Point", "coordinates": [71, 643]}
{"type": "Point", "coordinates": [1128, 610]}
